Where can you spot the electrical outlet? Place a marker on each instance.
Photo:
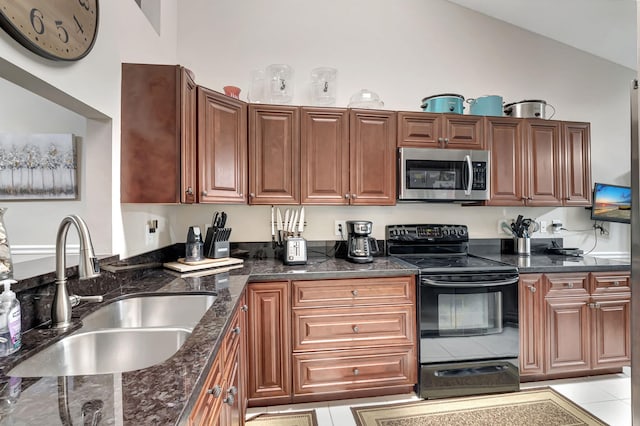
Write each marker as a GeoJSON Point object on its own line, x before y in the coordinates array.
{"type": "Point", "coordinates": [340, 228]}
{"type": "Point", "coordinates": [543, 226]}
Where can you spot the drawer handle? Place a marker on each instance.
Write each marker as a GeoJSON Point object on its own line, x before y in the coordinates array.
{"type": "Point", "coordinates": [356, 371]}
{"type": "Point", "coordinates": [616, 283]}
{"type": "Point", "coordinates": [244, 308]}
{"type": "Point", "coordinates": [594, 305]}
{"type": "Point", "coordinates": [229, 400]}
{"type": "Point", "coordinates": [215, 391]}
{"type": "Point", "coordinates": [570, 285]}
{"type": "Point", "coordinates": [532, 288]}
{"type": "Point", "coordinates": [355, 292]}
{"type": "Point", "coordinates": [356, 329]}
{"type": "Point", "coordinates": [236, 330]}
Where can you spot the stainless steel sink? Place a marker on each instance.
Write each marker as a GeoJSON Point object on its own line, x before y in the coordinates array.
{"type": "Point", "coordinates": [125, 335]}
{"type": "Point", "coordinates": [171, 310]}
{"type": "Point", "coordinates": [104, 352]}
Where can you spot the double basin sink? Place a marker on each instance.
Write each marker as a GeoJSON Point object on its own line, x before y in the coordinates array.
{"type": "Point", "coordinates": [126, 335]}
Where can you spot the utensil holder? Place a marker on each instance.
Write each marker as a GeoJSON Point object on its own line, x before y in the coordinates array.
{"type": "Point", "coordinates": [523, 246]}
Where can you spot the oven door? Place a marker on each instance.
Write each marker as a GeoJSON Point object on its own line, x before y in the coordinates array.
{"type": "Point", "coordinates": [443, 174]}
{"type": "Point", "coordinates": [469, 336]}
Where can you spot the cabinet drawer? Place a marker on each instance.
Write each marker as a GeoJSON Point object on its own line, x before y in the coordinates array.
{"type": "Point", "coordinates": [343, 328]}
{"type": "Point", "coordinates": [209, 403]}
{"type": "Point", "coordinates": [563, 285]}
{"type": "Point", "coordinates": [379, 291]}
{"type": "Point", "coordinates": [329, 372]}
{"type": "Point", "coordinates": [610, 282]}
{"type": "Point", "coordinates": [231, 339]}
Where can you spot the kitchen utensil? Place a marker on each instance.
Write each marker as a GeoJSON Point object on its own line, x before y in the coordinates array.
{"type": "Point", "coordinates": [508, 229]}
{"type": "Point", "coordinates": [447, 102]}
{"type": "Point", "coordinates": [301, 221]}
{"type": "Point", "coordinates": [365, 98]}
{"type": "Point", "coordinates": [279, 225]}
{"type": "Point", "coordinates": [279, 83]}
{"type": "Point", "coordinates": [528, 109]}
{"type": "Point", "coordinates": [292, 225]}
{"type": "Point", "coordinates": [486, 105]}
{"type": "Point", "coordinates": [323, 86]}
{"type": "Point", "coordinates": [286, 221]}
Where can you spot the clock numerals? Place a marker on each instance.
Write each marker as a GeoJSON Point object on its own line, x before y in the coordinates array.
{"type": "Point", "coordinates": [37, 21]}
{"type": "Point", "coordinates": [80, 29]}
{"type": "Point", "coordinates": [84, 3]}
{"type": "Point", "coordinates": [63, 35]}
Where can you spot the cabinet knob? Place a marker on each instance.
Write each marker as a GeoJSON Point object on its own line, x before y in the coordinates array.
{"type": "Point", "coordinates": [204, 193]}
{"type": "Point", "coordinates": [356, 329]}
{"type": "Point", "coordinates": [355, 292]}
{"type": "Point", "coordinates": [252, 194]}
{"type": "Point", "coordinates": [215, 391]}
{"type": "Point", "coordinates": [532, 288]}
{"type": "Point", "coordinates": [440, 139]}
{"type": "Point", "coordinates": [353, 196]}
{"type": "Point", "coordinates": [244, 308]}
{"type": "Point", "coordinates": [236, 330]}
{"type": "Point", "coordinates": [346, 196]}
{"type": "Point", "coordinates": [189, 191]}
{"type": "Point", "coordinates": [616, 283]}
{"type": "Point", "coordinates": [529, 198]}
{"type": "Point", "coordinates": [594, 305]}
{"type": "Point", "coordinates": [229, 399]}
{"type": "Point", "coordinates": [446, 140]}
{"type": "Point", "coordinates": [356, 371]}
{"type": "Point", "coordinates": [570, 285]}
{"type": "Point", "coordinates": [233, 390]}
{"type": "Point", "coordinates": [568, 198]}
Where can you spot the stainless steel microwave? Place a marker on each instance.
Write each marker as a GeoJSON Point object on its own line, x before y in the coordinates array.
{"type": "Point", "coordinates": [431, 174]}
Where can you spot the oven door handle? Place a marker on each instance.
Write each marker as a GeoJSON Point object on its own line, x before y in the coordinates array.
{"type": "Point", "coordinates": [470, 179]}
{"type": "Point", "coordinates": [438, 283]}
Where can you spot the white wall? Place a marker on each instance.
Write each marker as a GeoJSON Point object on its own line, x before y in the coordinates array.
{"type": "Point", "coordinates": [403, 50]}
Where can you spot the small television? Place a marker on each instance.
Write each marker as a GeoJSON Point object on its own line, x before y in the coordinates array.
{"type": "Point", "coordinates": [611, 203]}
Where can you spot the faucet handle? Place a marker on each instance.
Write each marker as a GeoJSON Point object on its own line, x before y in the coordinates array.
{"type": "Point", "coordinates": [75, 299]}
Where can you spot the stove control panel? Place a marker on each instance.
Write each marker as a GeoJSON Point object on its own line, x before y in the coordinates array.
{"type": "Point", "coordinates": [427, 232]}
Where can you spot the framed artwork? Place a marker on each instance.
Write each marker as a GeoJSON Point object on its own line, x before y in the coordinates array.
{"type": "Point", "coordinates": [38, 167]}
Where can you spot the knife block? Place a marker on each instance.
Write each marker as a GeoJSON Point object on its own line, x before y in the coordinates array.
{"type": "Point", "coordinates": [214, 249]}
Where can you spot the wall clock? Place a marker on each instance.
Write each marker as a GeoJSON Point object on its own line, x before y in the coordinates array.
{"type": "Point", "coordinates": [55, 29]}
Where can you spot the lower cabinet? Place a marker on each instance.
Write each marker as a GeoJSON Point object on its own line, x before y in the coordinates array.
{"type": "Point", "coordinates": [331, 339]}
{"type": "Point", "coordinates": [574, 324]}
{"type": "Point", "coordinates": [222, 401]}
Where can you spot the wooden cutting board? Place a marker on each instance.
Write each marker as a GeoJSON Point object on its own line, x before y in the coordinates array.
{"type": "Point", "coordinates": [183, 266]}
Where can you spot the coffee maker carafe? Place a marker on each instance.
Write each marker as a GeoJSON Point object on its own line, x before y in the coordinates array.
{"type": "Point", "coordinates": [360, 247]}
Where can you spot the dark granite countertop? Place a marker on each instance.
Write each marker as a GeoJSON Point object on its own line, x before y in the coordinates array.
{"type": "Point", "coordinates": [548, 263]}
{"type": "Point", "coordinates": [165, 393]}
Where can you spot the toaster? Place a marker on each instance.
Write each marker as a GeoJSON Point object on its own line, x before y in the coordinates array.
{"type": "Point", "coordinates": [295, 251]}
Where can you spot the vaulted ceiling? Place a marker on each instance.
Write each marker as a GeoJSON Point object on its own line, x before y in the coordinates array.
{"type": "Point", "coordinates": [605, 28]}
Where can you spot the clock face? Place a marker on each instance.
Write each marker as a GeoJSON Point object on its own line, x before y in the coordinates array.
{"type": "Point", "coordinates": [55, 29]}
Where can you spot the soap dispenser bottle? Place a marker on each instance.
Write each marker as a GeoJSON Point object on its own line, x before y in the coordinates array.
{"type": "Point", "coordinates": [10, 320]}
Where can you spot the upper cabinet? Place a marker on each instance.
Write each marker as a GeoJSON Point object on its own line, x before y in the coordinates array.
{"type": "Point", "coordinates": [274, 154]}
{"type": "Point", "coordinates": [538, 162]}
{"type": "Point", "coordinates": [158, 134]}
{"type": "Point", "coordinates": [429, 130]}
{"type": "Point", "coordinates": [222, 148]}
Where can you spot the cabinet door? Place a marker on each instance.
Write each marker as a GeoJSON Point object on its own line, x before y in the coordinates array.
{"type": "Point", "coordinates": [577, 164]}
{"type": "Point", "coordinates": [222, 148]}
{"type": "Point", "coordinates": [274, 154]}
{"type": "Point", "coordinates": [188, 137]}
{"type": "Point", "coordinates": [158, 122]}
{"type": "Point", "coordinates": [504, 142]}
{"type": "Point", "coordinates": [324, 156]}
{"type": "Point", "coordinates": [419, 130]}
{"type": "Point", "coordinates": [568, 339]}
{"type": "Point", "coordinates": [372, 157]}
{"type": "Point", "coordinates": [463, 131]}
{"type": "Point", "coordinates": [544, 163]}
{"type": "Point", "coordinates": [531, 325]}
{"type": "Point", "coordinates": [611, 331]}
{"type": "Point", "coordinates": [269, 343]}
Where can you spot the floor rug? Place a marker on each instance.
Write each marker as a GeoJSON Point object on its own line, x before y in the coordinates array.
{"type": "Point", "coordinates": [539, 406]}
{"type": "Point", "coordinates": [298, 418]}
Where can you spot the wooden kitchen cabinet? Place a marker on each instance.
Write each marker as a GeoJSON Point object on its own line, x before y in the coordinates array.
{"type": "Point", "coordinates": [274, 154]}
{"type": "Point", "coordinates": [429, 130]}
{"type": "Point", "coordinates": [158, 134]}
{"type": "Point", "coordinates": [372, 157]}
{"type": "Point", "coordinates": [222, 401]}
{"type": "Point", "coordinates": [269, 343]}
{"type": "Point", "coordinates": [574, 324]}
{"type": "Point", "coordinates": [222, 148]}
{"type": "Point", "coordinates": [576, 139]}
{"type": "Point", "coordinates": [348, 157]}
{"type": "Point", "coordinates": [538, 162]}
{"type": "Point", "coordinates": [324, 156]}
{"type": "Point", "coordinates": [353, 337]}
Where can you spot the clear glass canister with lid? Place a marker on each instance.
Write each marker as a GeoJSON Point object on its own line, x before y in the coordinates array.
{"type": "Point", "coordinates": [323, 86]}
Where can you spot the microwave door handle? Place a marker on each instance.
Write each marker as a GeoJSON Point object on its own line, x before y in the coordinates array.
{"type": "Point", "coordinates": [467, 191]}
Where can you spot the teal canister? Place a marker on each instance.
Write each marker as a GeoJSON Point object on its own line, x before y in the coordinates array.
{"type": "Point", "coordinates": [486, 105]}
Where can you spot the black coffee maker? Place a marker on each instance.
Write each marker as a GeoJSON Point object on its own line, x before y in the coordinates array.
{"type": "Point", "coordinates": [360, 247]}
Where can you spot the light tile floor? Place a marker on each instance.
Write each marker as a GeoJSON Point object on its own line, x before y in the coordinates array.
{"type": "Point", "coordinates": [607, 397]}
